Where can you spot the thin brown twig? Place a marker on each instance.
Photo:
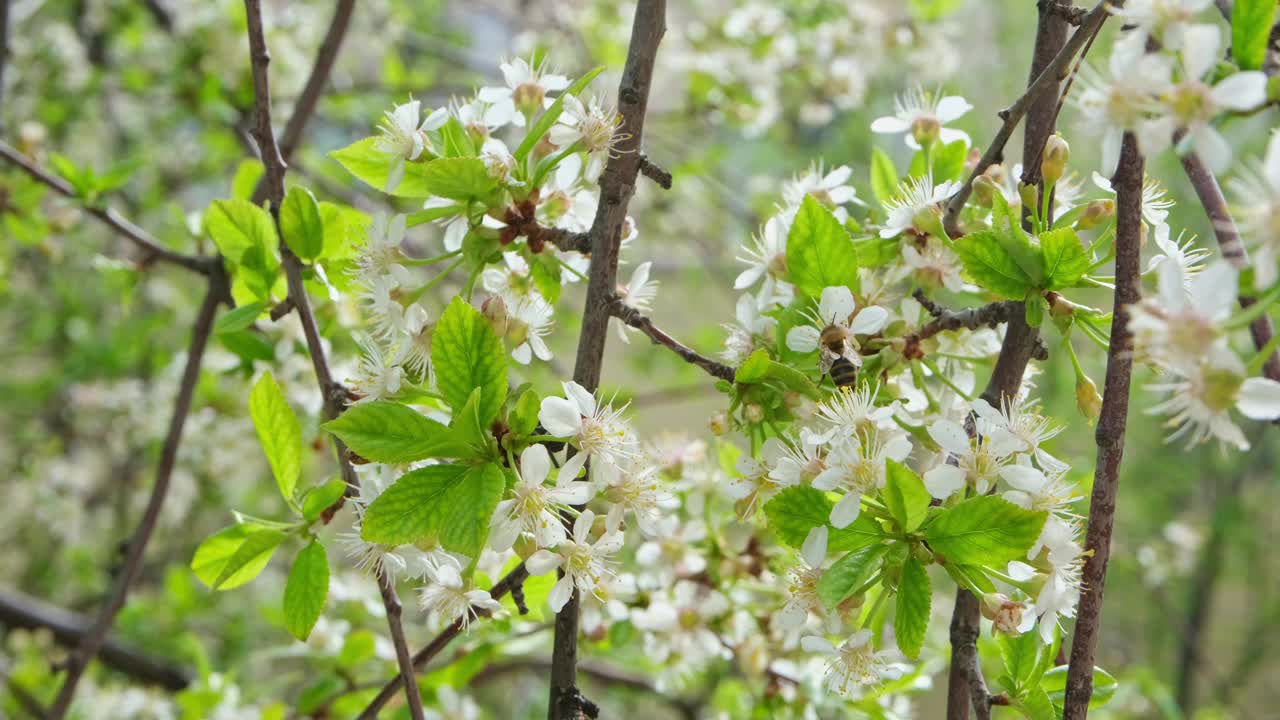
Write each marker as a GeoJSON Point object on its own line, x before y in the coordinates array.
{"type": "Point", "coordinates": [1013, 114]}
{"type": "Point", "coordinates": [151, 248]}
{"type": "Point", "coordinates": [304, 107]}
{"type": "Point", "coordinates": [275, 167]}
{"type": "Point", "coordinates": [1110, 432]}
{"type": "Point", "coordinates": [603, 674]}
{"type": "Point", "coordinates": [218, 291]}
{"type": "Point", "coordinates": [639, 321]}
{"type": "Point", "coordinates": [617, 185]}
{"type": "Point", "coordinates": [18, 610]}
{"type": "Point", "coordinates": [507, 584]}
{"type": "Point", "coordinates": [989, 315]}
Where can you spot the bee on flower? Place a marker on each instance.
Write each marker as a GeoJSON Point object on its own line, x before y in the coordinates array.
{"type": "Point", "coordinates": [836, 322]}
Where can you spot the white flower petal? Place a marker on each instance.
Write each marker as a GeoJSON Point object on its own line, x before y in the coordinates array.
{"type": "Point", "coordinates": [559, 416]}
{"type": "Point", "coordinates": [1259, 399]}
{"type": "Point", "coordinates": [951, 436]}
{"type": "Point", "coordinates": [943, 481]}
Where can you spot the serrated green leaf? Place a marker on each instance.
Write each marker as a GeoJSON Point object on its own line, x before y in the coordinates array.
{"type": "Point", "coordinates": [544, 122]}
{"type": "Point", "coordinates": [236, 226]}
{"type": "Point", "coordinates": [1065, 261]}
{"type": "Point", "coordinates": [915, 598]}
{"type": "Point", "coordinates": [876, 251]}
{"type": "Point", "coordinates": [301, 224]}
{"type": "Point", "coordinates": [373, 167]}
{"type": "Point", "coordinates": [905, 495]}
{"type": "Point", "coordinates": [544, 268]}
{"type": "Point", "coordinates": [798, 509]}
{"type": "Point", "coordinates": [793, 379]}
{"type": "Point", "coordinates": [449, 503]}
{"type": "Point", "coordinates": [1022, 655]}
{"type": "Point", "coordinates": [849, 573]}
{"type": "Point", "coordinates": [991, 266]}
{"type": "Point", "coordinates": [306, 590]}
{"type": "Point", "coordinates": [1054, 684]}
{"type": "Point", "coordinates": [251, 555]}
{"type": "Point", "coordinates": [820, 252]}
{"type": "Point", "coordinates": [248, 346]}
{"type": "Point", "coordinates": [1251, 22]}
{"type": "Point", "coordinates": [435, 213]}
{"type": "Point", "coordinates": [967, 576]}
{"type": "Point", "coordinates": [239, 318]}
{"type": "Point", "coordinates": [468, 355]}
{"type": "Point", "coordinates": [279, 431]}
{"type": "Point", "coordinates": [1006, 226]}
{"type": "Point", "coordinates": [884, 176]}
{"type": "Point", "coordinates": [322, 498]}
{"type": "Point", "coordinates": [212, 556]}
{"type": "Point", "coordinates": [458, 178]}
{"type": "Point", "coordinates": [388, 432]}
{"type": "Point", "coordinates": [986, 530]}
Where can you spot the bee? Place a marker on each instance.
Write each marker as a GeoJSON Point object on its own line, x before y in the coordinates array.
{"type": "Point", "coordinates": [843, 372]}
{"type": "Point", "coordinates": [836, 342]}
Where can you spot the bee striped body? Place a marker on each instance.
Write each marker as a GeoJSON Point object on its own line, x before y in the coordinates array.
{"type": "Point", "coordinates": [843, 372]}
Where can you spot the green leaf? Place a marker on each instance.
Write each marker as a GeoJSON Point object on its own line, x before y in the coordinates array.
{"type": "Point", "coordinates": [544, 122]}
{"type": "Point", "coordinates": [236, 226]}
{"type": "Point", "coordinates": [911, 620]}
{"type": "Point", "coordinates": [1006, 225]}
{"type": "Point", "coordinates": [969, 576]}
{"type": "Point", "coordinates": [798, 509]}
{"type": "Point", "coordinates": [239, 318]}
{"type": "Point", "coordinates": [306, 590]}
{"type": "Point", "coordinates": [213, 556]}
{"type": "Point", "coordinates": [984, 530]}
{"type": "Point", "coordinates": [245, 181]}
{"type": "Point", "coordinates": [373, 167]}
{"type": "Point", "coordinates": [388, 432]}
{"type": "Point", "coordinates": [1251, 22]}
{"type": "Point", "coordinates": [876, 251]}
{"type": "Point", "coordinates": [301, 224]}
{"type": "Point", "coordinates": [1034, 309]}
{"type": "Point", "coordinates": [1065, 261]}
{"type": "Point", "coordinates": [248, 346]}
{"type": "Point", "coordinates": [884, 176]}
{"type": "Point", "coordinates": [449, 503]}
{"type": "Point", "coordinates": [948, 161]}
{"type": "Point", "coordinates": [991, 266]}
{"type": "Point", "coordinates": [524, 416]}
{"type": "Point", "coordinates": [544, 268]}
{"type": "Point", "coordinates": [1023, 655]}
{"type": "Point", "coordinates": [321, 498]}
{"type": "Point", "coordinates": [435, 213]}
{"type": "Point", "coordinates": [905, 495]}
{"type": "Point", "coordinates": [820, 252]}
{"type": "Point", "coordinates": [249, 558]}
{"type": "Point", "coordinates": [849, 573]}
{"type": "Point", "coordinates": [279, 432]}
{"type": "Point", "coordinates": [1036, 705]}
{"type": "Point", "coordinates": [1055, 684]}
{"type": "Point", "coordinates": [793, 379]}
{"type": "Point", "coordinates": [458, 178]}
{"type": "Point", "coordinates": [468, 355]}
{"type": "Point", "coordinates": [754, 369]}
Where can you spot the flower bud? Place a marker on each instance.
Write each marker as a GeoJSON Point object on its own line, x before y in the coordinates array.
{"type": "Point", "coordinates": [1029, 195]}
{"type": "Point", "coordinates": [1054, 161]}
{"type": "Point", "coordinates": [1088, 400]}
{"type": "Point", "coordinates": [754, 412]}
{"type": "Point", "coordinates": [31, 137]}
{"type": "Point", "coordinates": [1096, 213]}
{"type": "Point", "coordinates": [528, 99]}
{"type": "Point", "coordinates": [719, 423]}
{"type": "Point", "coordinates": [984, 190]}
{"type": "Point", "coordinates": [495, 311]}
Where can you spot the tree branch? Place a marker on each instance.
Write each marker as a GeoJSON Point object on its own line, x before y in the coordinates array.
{"type": "Point", "coordinates": [507, 584]}
{"type": "Point", "coordinates": [334, 396]}
{"type": "Point", "coordinates": [990, 315]}
{"type": "Point", "coordinates": [965, 683]}
{"type": "Point", "coordinates": [616, 188]}
{"type": "Point", "coordinates": [1224, 229]}
{"type": "Point", "coordinates": [4, 53]}
{"type": "Point", "coordinates": [1047, 78]}
{"type": "Point", "coordinates": [305, 105]}
{"type": "Point", "coordinates": [635, 319]}
{"type": "Point", "coordinates": [1111, 429]}
{"type": "Point", "coordinates": [218, 291]}
{"type": "Point", "coordinates": [18, 610]}
{"type": "Point", "coordinates": [602, 674]}
{"type": "Point", "coordinates": [151, 248]}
